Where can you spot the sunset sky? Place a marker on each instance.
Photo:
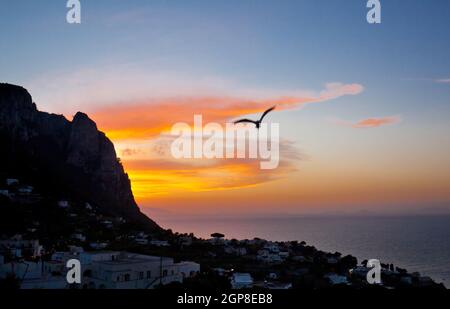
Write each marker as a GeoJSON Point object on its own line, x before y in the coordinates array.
{"type": "Point", "coordinates": [364, 110]}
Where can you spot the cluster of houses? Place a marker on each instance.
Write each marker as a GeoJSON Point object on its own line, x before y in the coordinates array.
{"type": "Point", "coordinates": [279, 264]}
{"type": "Point", "coordinates": [25, 259]}
{"type": "Point", "coordinates": [17, 247]}
{"type": "Point", "coordinates": [271, 253]}
{"type": "Point", "coordinates": [276, 265]}
{"type": "Point", "coordinates": [394, 277]}
{"type": "Point", "coordinates": [124, 270]}
{"type": "Point", "coordinates": [99, 269]}
{"type": "Point", "coordinates": [144, 239]}
{"type": "Point", "coordinates": [240, 280]}
{"type": "Point", "coordinates": [138, 238]}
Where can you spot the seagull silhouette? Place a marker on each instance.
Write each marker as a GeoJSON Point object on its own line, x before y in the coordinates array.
{"type": "Point", "coordinates": [258, 122]}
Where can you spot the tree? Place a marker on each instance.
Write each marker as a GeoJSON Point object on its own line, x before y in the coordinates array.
{"type": "Point", "coordinates": [217, 235]}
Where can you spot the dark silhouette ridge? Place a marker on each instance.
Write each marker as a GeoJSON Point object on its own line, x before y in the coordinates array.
{"type": "Point", "coordinates": [72, 159]}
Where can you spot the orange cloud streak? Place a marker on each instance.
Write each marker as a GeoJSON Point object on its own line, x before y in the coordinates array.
{"type": "Point", "coordinates": [152, 178]}
{"type": "Point", "coordinates": [136, 129]}
{"type": "Point", "coordinates": [151, 117]}
{"type": "Point", "coordinates": [376, 122]}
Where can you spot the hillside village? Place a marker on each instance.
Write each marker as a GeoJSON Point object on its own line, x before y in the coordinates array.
{"type": "Point", "coordinates": [37, 241]}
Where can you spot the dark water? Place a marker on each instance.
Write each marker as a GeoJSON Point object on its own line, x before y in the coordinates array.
{"type": "Point", "coordinates": [416, 243]}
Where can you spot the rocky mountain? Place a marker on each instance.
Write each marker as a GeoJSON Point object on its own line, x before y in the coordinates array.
{"type": "Point", "coordinates": [69, 158]}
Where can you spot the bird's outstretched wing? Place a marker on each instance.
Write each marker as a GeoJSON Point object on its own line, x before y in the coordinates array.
{"type": "Point", "coordinates": [245, 120]}
{"type": "Point", "coordinates": [266, 112]}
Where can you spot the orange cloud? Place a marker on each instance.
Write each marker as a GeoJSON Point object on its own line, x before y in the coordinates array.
{"type": "Point", "coordinates": [136, 128]}
{"type": "Point", "coordinates": [157, 174]}
{"type": "Point", "coordinates": [376, 122]}
{"type": "Point", "coordinates": [372, 122]}
{"type": "Point", "coordinates": [151, 117]}
{"type": "Point", "coordinates": [152, 178]}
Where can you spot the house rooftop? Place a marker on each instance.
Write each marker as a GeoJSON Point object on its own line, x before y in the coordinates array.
{"type": "Point", "coordinates": [127, 259]}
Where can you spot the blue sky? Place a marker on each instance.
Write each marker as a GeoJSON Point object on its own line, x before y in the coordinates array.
{"type": "Point", "coordinates": [272, 44]}
{"type": "Point", "coordinates": [294, 41]}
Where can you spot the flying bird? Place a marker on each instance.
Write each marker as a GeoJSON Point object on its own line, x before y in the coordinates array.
{"type": "Point", "coordinates": [258, 122]}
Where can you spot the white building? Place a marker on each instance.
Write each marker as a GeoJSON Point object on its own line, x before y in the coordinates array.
{"type": "Point", "coordinates": [52, 282]}
{"type": "Point", "coordinates": [79, 236]}
{"type": "Point", "coordinates": [98, 245]}
{"type": "Point", "coordinates": [359, 272]}
{"type": "Point", "coordinates": [220, 271]}
{"type": "Point", "coordinates": [121, 270]}
{"type": "Point", "coordinates": [160, 243]}
{"type": "Point", "coordinates": [241, 281]}
{"type": "Point", "coordinates": [33, 275]}
{"type": "Point", "coordinates": [283, 254]}
{"type": "Point", "coordinates": [63, 204]}
{"type": "Point", "coordinates": [107, 223]}
{"type": "Point", "coordinates": [272, 247]}
{"type": "Point", "coordinates": [101, 270]}
{"type": "Point", "coordinates": [239, 251]}
{"type": "Point", "coordinates": [188, 269]}
{"type": "Point", "coordinates": [332, 260]}
{"type": "Point", "coordinates": [141, 241]}
{"type": "Point", "coordinates": [75, 249]}
{"type": "Point", "coordinates": [267, 256]}
{"type": "Point", "coordinates": [25, 190]}
{"type": "Point", "coordinates": [335, 279]}
{"type": "Point", "coordinates": [18, 246]}
{"type": "Point", "coordinates": [11, 181]}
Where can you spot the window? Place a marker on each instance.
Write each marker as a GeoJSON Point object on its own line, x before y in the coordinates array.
{"type": "Point", "coordinates": [149, 274]}
{"type": "Point", "coordinates": [141, 275]}
{"type": "Point", "coordinates": [127, 277]}
{"type": "Point", "coordinates": [165, 273]}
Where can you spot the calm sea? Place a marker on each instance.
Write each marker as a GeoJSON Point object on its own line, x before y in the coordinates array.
{"type": "Point", "coordinates": [416, 243]}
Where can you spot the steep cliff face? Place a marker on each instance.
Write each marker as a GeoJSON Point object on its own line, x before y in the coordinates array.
{"type": "Point", "coordinates": [75, 157]}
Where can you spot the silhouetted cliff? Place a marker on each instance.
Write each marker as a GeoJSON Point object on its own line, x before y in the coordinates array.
{"type": "Point", "coordinates": [68, 158]}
